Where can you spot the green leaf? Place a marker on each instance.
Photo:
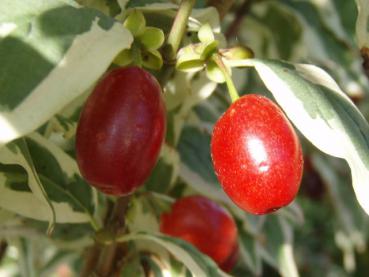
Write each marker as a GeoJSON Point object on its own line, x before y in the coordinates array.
{"type": "Point", "coordinates": [196, 167]}
{"type": "Point", "coordinates": [135, 23]}
{"type": "Point", "coordinates": [324, 115]}
{"type": "Point", "coordinates": [165, 172]}
{"type": "Point", "coordinates": [61, 173]}
{"type": "Point", "coordinates": [198, 263]}
{"type": "Point", "coordinates": [249, 250]}
{"type": "Point", "coordinates": [152, 38]}
{"type": "Point", "coordinates": [54, 63]}
{"type": "Point", "coordinates": [278, 251]}
{"type": "Point", "coordinates": [269, 23]}
{"type": "Point", "coordinates": [352, 221]}
{"type": "Point", "coordinates": [197, 87]}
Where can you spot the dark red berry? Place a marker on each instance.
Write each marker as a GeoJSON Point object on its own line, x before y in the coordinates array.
{"type": "Point", "coordinates": [256, 154]}
{"type": "Point", "coordinates": [121, 130]}
{"type": "Point", "coordinates": [204, 224]}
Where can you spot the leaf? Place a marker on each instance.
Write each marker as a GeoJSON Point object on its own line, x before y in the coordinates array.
{"type": "Point", "coordinates": [194, 149]}
{"type": "Point", "coordinates": [71, 205]}
{"type": "Point", "coordinates": [176, 90]}
{"type": "Point", "coordinates": [278, 251]}
{"type": "Point", "coordinates": [165, 172]}
{"type": "Point", "coordinates": [204, 16]}
{"type": "Point", "coordinates": [197, 87]}
{"type": "Point", "coordinates": [324, 115]}
{"type": "Point", "coordinates": [352, 221]}
{"type": "Point", "coordinates": [152, 38]}
{"type": "Point", "coordinates": [61, 172]}
{"type": "Point", "coordinates": [198, 263]}
{"type": "Point", "coordinates": [325, 44]}
{"type": "Point", "coordinates": [267, 23]}
{"type": "Point", "coordinates": [249, 250]}
{"type": "Point", "coordinates": [56, 59]}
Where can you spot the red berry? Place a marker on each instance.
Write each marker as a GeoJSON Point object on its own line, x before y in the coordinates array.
{"type": "Point", "coordinates": [229, 264]}
{"type": "Point", "coordinates": [204, 224]}
{"type": "Point", "coordinates": [256, 154]}
{"type": "Point", "coordinates": [121, 130]}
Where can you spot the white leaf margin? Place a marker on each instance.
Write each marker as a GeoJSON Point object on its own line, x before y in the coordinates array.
{"type": "Point", "coordinates": [85, 61]}
{"type": "Point", "coordinates": [33, 204]}
{"type": "Point", "coordinates": [181, 254]}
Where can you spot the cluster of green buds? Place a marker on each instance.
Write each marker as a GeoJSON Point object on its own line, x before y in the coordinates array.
{"type": "Point", "coordinates": [147, 40]}
{"type": "Point", "coordinates": [207, 55]}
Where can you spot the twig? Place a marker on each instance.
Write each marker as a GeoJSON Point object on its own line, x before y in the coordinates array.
{"type": "Point", "coordinates": [242, 11]}
{"type": "Point", "coordinates": [111, 256]}
{"type": "Point", "coordinates": [92, 257]}
{"type": "Point", "coordinates": [174, 39]}
{"type": "Point", "coordinates": [105, 260]}
{"type": "Point", "coordinates": [178, 29]}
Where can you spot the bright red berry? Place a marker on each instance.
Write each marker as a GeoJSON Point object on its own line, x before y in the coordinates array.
{"type": "Point", "coordinates": [121, 130]}
{"type": "Point", "coordinates": [204, 224]}
{"type": "Point", "coordinates": [256, 154]}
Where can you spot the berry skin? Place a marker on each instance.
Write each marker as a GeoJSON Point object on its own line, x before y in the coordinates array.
{"type": "Point", "coordinates": [256, 155]}
{"type": "Point", "coordinates": [121, 130]}
{"type": "Point", "coordinates": [204, 224]}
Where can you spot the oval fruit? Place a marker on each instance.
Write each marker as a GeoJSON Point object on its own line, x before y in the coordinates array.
{"type": "Point", "coordinates": [256, 155]}
{"type": "Point", "coordinates": [121, 130]}
{"type": "Point", "coordinates": [204, 224]}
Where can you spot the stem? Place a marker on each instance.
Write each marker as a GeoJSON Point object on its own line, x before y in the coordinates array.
{"type": "Point", "coordinates": [105, 260]}
{"type": "Point", "coordinates": [178, 28]}
{"type": "Point", "coordinates": [92, 257]}
{"type": "Point", "coordinates": [230, 85]}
